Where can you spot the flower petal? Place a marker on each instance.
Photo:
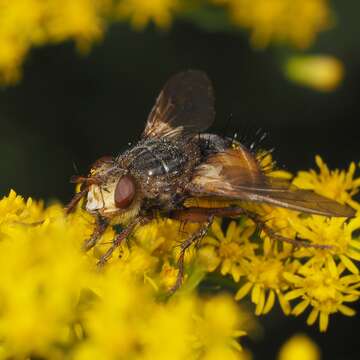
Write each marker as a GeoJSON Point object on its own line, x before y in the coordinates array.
{"type": "Point", "coordinates": [312, 317]}
{"type": "Point", "coordinates": [324, 321]}
{"type": "Point", "coordinates": [285, 306]}
{"type": "Point", "coordinates": [331, 265]}
{"type": "Point", "coordinates": [346, 310]}
{"type": "Point", "coordinates": [300, 308]}
{"type": "Point", "coordinates": [255, 294]}
{"type": "Point", "coordinates": [349, 264]}
{"type": "Point", "coordinates": [294, 294]}
{"type": "Point", "coordinates": [269, 302]}
{"type": "Point", "coordinates": [261, 303]}
{"type": "Point", "coordinates": [243, 291]}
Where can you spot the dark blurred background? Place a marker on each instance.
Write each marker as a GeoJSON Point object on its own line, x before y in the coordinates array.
{"type": "Point", "coordinates": [69, 110]}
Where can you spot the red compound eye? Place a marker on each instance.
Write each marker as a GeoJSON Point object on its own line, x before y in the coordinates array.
{"type": "Point", "coordinates": [124, 192]}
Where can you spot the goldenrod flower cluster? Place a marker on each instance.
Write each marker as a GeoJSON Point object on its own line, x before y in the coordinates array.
{"type": "Point", "coordinates": [55, 304]}
{"type": "Point", "coordinates": [321, 279]}
{"type": "Point", "coordinates": [285, 21]}
{"type": "Point", "coordinates": [31, 23]}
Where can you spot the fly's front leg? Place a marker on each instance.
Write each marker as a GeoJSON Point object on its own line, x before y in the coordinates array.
{"type": "Point", "coordinates": [120, 237]}
{"type": "Point", "coordinates": [100, 227]}
{"type": "Point", "coordinates": [71, 206]}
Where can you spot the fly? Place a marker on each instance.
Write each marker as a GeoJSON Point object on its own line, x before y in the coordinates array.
{"type": "Point", "coordinates": [174, 160]}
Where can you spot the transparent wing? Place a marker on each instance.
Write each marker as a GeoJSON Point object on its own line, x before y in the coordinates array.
{"type": "Point", "coordinates": [185, 106]}
{"type": "Point", "coordinates": [235, 174]}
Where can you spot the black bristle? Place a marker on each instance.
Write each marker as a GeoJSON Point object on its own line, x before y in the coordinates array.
{"type": "Point", "coordinates": [76, 169]}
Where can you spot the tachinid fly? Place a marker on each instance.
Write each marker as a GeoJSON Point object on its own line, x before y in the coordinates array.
{"type": "Point", "coordinates": [176, 160]}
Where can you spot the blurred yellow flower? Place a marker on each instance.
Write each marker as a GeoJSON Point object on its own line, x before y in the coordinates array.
{"type": "Point", "coordinates": [289, 21]}
{"type": "Point", "coordinates": [52, 295]}
{"type": "Point", "coordinates": [141, 12]}
{"type": "Point", "coordinates": [299, 347]}
{"type": "Point", "coordinates": [319, 72]}
{"type": "Point", "coordinates": [28, 23]}
{"type": "Point", "coordinates": [81, 20]}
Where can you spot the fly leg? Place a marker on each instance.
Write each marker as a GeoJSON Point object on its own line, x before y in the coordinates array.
{"type": "Point", "coordinates": [198, 235]}
{"type": "Point", "coordinates": [185, 215]}
{"type": "Point", "coordinates": [70, 207]}
{"type": "Point", "coordinates": [100, 227]}
{"type": "Point", "coordinates": [274, 235]}
{"type": "Point", "coordinates": [238, 211]}
{"type": "Point", "coordinates": [120, 237]}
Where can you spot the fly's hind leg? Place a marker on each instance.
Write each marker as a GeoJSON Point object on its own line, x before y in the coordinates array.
{"type": "Point", "coordinates": [184, 215]}
{"type": "Point", "coordinates": [238, 211]}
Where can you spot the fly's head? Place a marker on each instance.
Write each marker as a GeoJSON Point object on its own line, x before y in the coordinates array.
{"type": "Point", "coordinates": [110, 191]}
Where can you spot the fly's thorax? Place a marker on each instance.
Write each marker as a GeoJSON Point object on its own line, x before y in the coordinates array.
{"type": "Point", "coordinates": [162, 166]}
{"type": "Point", "coordinates": [159, 157]}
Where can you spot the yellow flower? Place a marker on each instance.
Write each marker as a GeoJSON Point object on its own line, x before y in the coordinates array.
{"type": "Point", "coordinates": [42, 271]}
{"type": "Point", "coordinates": [218, 323]}
{"type": "Point", "coordinates": [13, 209]}
{"type": "Point", "coordinates": [82, 20]}
{"type": "Point", "coordinates": [268, 165]}
{"type": "Point", "coordinates": [265, 282]}
{"type": "Point", "coordinates": [11, 57]}
{"type": "Point", "coordinates": [168, 276]}
{"type": "Point", "coordinates": [291, 21]}
{"type": "Point", "coordinates": [227, 251]}
{"type": "Point", "coordinates": [162, 235]}
{"type": "Point", "coordinates": [320, 72]}
{"type": "Point", "coordinates": [333, 233]}
{"type": "Point", "coordinates": [28, 23]}
{"type": "Point", "coordinates": [299, 347]}
{"type": "Point", "coordinates": [55, 304]}
{"type": "Point", "coordinates": [324, 290]}
{"type": "Point", "coordinates": [18, 30]}
{"type": "Point", "coordinates": [278, 219]}
{"type": "Point", "coordinates": [127, 322]}
{"type": "Point", "coordinates": [339, 185]}
{"type": "Point", "coordinates": [141, 12]}
{"type": "Point", "coordinates": [46, 279]}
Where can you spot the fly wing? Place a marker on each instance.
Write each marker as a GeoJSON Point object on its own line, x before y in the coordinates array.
{"type": "Point", "coordinates": [236, 174]}
{"type": "Point", "coordinates": [185, 106]}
